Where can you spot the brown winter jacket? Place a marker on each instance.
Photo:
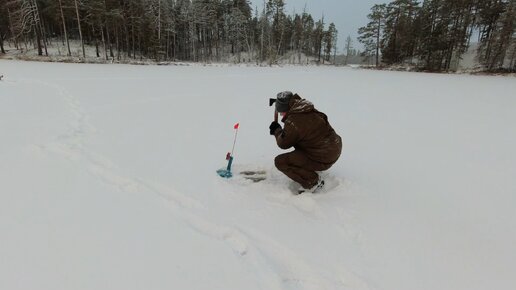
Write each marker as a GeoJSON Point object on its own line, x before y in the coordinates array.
{"type": "Point", "coordinates": [308, 130]}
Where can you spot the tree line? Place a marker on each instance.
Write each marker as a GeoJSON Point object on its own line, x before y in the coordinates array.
{"type": "Point", "coordinates": [186, 30]}
{"type": "Point", "coordinates": [435, 34]}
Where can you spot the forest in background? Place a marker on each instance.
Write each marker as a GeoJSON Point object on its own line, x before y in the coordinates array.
{"type": "Point", "coordinates": [429, 35]}
{"type": "Point", "coordinates": [168, 30]}
{"type": "Point", "coordinates": [434, 35]}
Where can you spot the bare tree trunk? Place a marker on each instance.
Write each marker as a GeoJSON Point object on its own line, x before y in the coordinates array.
{"type": "Point", "coordinates": [40, 26]}
{"type": "Point", "coordinates": [80, 31]}
{"type": "Point", "coordinates": [133, 40]}
{"type": "Point", "coordinates": [168, 45]}
{"type": "Point", "coordinates": [38, 41]}
{"type": "Point", "coordinates": [126, 32]}
{"type": "Point", "coordinates": [15, 38]}
{"type": "Point", "coordinates": [111, 54]}
{"type": "Point", "coordinates": [378, 43]}
{"type": "Point", "coordinates": [159, 22]}
{"type": "Point", "coordinates": [278, 53]}
{"type": "Point", "coordinates": [205, 45]}
{"type": "Point", "coordinates": [216, 42]}
{"type": "Point", "coordinates": [103, 41]}
{"type": "Point", "coordinates": [64, 28]}
{"type": "Point", "coordinates": [36, 28]}
{"type": "Point", "coordinates": [513, 57]}
{"type": "Point", "coordinates": [96, 41]}
{"type": "Point", "coordinates": [248, 47]}
{"type": "Point", "coordinates": [174, 51]}
{"type": "Point", "coordinates": [2, 44]}
{"type": "Point", "coordinates": [261, 43]}
{"type": "Point", "coordinates": [140, 45]}
{"type": "Point", "coordinates": [192, 40]}
{"type": "Point", "coordinates": [107, 33]}
{"type": "Point", "coordinates": [117, 44]}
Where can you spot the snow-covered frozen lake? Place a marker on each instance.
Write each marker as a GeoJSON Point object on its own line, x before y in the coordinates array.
{"type": "Point", "coordinates": [107, 180]}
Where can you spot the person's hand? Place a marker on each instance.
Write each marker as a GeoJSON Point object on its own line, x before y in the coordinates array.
{"type": "Point", "coordinates": [273, 127]}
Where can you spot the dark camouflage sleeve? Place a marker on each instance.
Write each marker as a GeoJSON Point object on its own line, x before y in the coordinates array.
{"type": "Point", "coordinates": [288, 136]}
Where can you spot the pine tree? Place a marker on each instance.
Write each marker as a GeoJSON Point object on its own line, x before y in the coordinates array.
{"type": "Point", "coordinates": [317, 41]}
{"type": "Point", "coordinates": [275, 10]}
{"type": "Point", "coordinates": [445, 29]}
{"type": "Point", "coordinates": [497, 25]}
{"type": "Point", "coordinates": [329, 40]}
{"type": "Point", "coordinates": [308, 31]}
{"type": "Point", "coordinates": [398, 41]}
{"type": "Point", "coordinates": [371, 34]}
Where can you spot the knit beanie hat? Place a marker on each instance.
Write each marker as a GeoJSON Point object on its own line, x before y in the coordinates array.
{"type": "Point", "coordinates": [282, 101]}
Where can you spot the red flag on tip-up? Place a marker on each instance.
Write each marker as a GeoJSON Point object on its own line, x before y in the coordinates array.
{"type": "Point", "coordinates": [236, 126]}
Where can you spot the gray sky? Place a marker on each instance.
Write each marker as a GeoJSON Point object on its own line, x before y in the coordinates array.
{"type": "Point", "coordinates": [348, 15]}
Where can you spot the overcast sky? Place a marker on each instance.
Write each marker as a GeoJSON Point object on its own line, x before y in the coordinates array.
{"type": "Point", "coordinates": [348, 15]}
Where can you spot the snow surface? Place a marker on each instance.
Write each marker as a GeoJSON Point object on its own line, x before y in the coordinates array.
{"type": "Point", "coordinates": [107, 180]}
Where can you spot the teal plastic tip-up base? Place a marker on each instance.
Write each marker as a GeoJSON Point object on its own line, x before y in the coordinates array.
{"type": "Point", "coordinates": [224, 173]}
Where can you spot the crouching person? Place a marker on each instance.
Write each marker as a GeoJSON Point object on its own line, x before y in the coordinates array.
{"type": "Point", "coordinates": [316, 145]}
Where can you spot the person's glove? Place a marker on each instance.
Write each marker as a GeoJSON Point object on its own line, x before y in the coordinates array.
{"type": "Point", "coordinates": [273, 127]}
